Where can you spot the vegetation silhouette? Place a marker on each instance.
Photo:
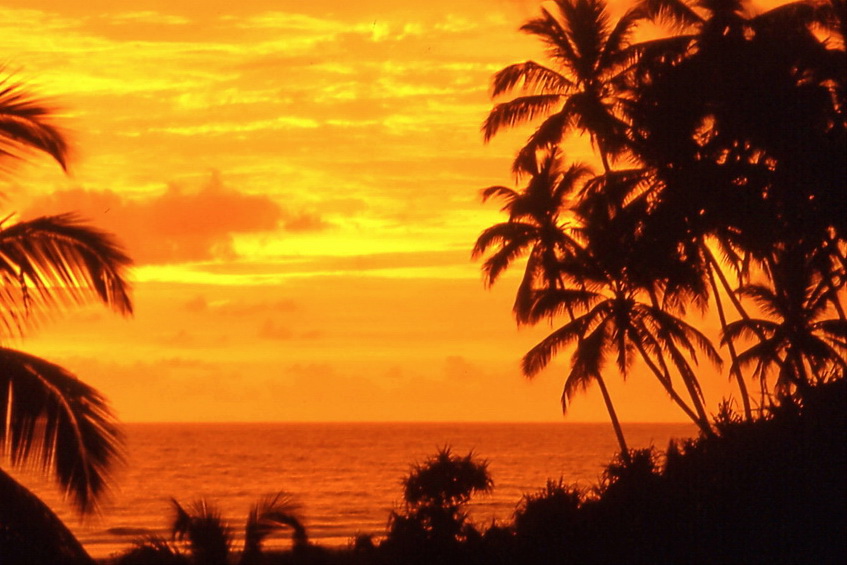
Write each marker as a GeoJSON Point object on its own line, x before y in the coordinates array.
{"type": "Point", "coordinates": [200, 535]}
{"type": "Point", "coordinates": [53, 422]}
{"type": "Point", "coordinates": [722, 145]}
{"type": "Point", "coordinates": [433, 527]}
{"type": "Point", "coordinates": [770, 490]}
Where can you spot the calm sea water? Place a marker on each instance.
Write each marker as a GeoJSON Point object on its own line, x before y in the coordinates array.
{"type": "Point", "coordinates": [346, 477]}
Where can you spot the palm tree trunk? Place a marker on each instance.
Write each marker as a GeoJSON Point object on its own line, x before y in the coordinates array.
{"type": "Point", "coordinates": [614, 417]}
{"type": "Point", "coordinates": [738, 308]}
{"type": "Point", "coordinates": [688, 377]}
{"type": "Point", "coordinates": [733, 354]}
{"type": "Point", "coordinates": [665, 379]}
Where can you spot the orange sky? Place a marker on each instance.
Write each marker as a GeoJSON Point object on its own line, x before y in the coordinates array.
{"type": "Point", "coordinates": [298, 184]}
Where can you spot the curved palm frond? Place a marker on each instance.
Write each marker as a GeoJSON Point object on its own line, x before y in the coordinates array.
{"type": "Point", "coordinates": [618, 47]}
{"type": "Point", "coordinates": [56, 260]}
{"type": "Point", "coordinates": [25, 125]}
{"type": "Point", "coordinates": [550, 31]}
{"type": "Point", "coordinates": [587, 25]}
{"type": "Point", "coordinates": [673, 14]}
{"type": "Point", "coordinates": [60, 423]}
{"type": "Point", "coordinates": [513, 239]}
{"type": "Point", "coordinates": [547, 135]}
{"type": "Point", "coordinates": [518, 111]}
{"type": "Point", "coordinates": [206, 532]}
{"type": "Point", "coordinates": [537, 358]}
{"type": "Point", "coordinates": [529, 76]}
{"type": "Point", "coordinates": [270, 514]}
{"type": "Point", "coordinates": [508, 195]}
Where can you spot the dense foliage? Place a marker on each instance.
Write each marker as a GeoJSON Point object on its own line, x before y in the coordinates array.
{"type": "Point", "coordinates": [723, 189]}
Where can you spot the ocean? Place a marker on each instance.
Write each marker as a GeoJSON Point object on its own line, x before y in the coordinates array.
{"type": "Point", "coordinates": [345, 477]}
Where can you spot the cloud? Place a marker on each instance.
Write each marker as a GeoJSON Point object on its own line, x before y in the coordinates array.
{"type": "Point", "coordinates": [181, 224]}
{"type": "Point", "coordinates": [239, 308]}
{"type": "Point", "coordinates": [270, 330]}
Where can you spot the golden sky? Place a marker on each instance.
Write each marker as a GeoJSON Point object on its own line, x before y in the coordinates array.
{"type": "Point", "coordinates": [298, 183]}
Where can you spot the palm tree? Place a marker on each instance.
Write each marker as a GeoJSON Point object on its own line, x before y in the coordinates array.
{"type": "Point", "coordinates": [538, 226]}
{"type": "Point", "coordinates": [52, 420]}
{"type": "Point", "coordinates": [536, 222]}
{"type": "Point", "coordinates": [715, 100]}
{"type": "Point", "coordinates": [797, 338]}
{"type": "Point", "coordinates": [585, 91]}
{"type": "Point", "coordinates": [615, 320]}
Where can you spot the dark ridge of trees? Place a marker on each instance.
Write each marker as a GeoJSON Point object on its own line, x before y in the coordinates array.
{"type": "Point", "coordinates": [723, 188]}
{"type": "Point", "coordinates": [52, 421]}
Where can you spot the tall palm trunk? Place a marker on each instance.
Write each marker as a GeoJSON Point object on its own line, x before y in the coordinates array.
{"type": "Point", "coordinates": [665, 379]}
{"type": "Point", "coordinates": [687, 376]}
{"type": "Point", "coordinates": [610, 408]}
{"type": "Point", "coordinates": [735, 369]}
{"type": "Point", "coordinates": [614, 417]}
{"type": "Point", "coordinates": [739, 308]}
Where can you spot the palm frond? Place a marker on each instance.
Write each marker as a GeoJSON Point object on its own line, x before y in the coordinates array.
{"type": "Point", "coordinates": [586, 364]}
{"type": "Point", "coordinates": [518, 111]}
{"type": "Point", "coordinates": [587, 26]}
{"type": "Point", "coordinates": [548, 134]}
{"type": "Point", "coordinates": [273, 513]}
{"type": "Point", "coordinates": [531, 77]}
{"type": "Point", "coordinates": [683, 333]}
{"type": "Point", "coordinates": [616, 47]}
{"type": "Point", "coordinates": [673, 14]}
{"type": "Point", "coordinates": [25, 125]}
{"type": "Point", "coordinates": [764, 353]}
{"type": "Point", "coordinates": [513, 239]}
{"type": "Point", "coordinates": [748, 329]}
{"type": "Point", "coordinates": [551, 303]}
{"type": "Point", "coordinates": [55, 421]}
{"type": "Point", "coordinates": [57, 260]}
{"type": "Point", "coordinates": [207, 534]}
{"type": "Point", "coordinates": [508, 195]}
{"type": "Point", "coordinates": [832, 329]}
{"type": "Point", "coordinates": [539, 356]}
{"type": "Point", "coordinates": [550, 31]}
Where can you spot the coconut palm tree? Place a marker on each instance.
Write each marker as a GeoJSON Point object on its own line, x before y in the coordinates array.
{"type": "Point", "coordinates": [538, 226]}
{"type": "Point", "coordinates": [797, 338]}
{"type": "Point", "coordinates": [714, 102]}
{"type": "Point", "coordinates": [52, 421]}
{"type": "Point", "coordinates": [536, 222]}
{"type": "Point", "coordinates": [613, 318]}
{"type": "Point", "coordinates": [584, 91]}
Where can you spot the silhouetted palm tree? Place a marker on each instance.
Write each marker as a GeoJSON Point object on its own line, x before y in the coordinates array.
{"type": "Point", "coordinates": [585, 91]}
{"type": "Point", "coordinates": [208, 539]}
{"type": "Point", "coordinates": [615, 320]}
{"type": "Point", "coordinates": [52, 420]}
{"type": "Point", "coordinates": [537, 221]}
{"type": "Point", "coordinates": [538, 225]}
{"type": "Point", "coordinates": [714, 106]}
{"type": "Point", "coordinates": [797, 338]}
